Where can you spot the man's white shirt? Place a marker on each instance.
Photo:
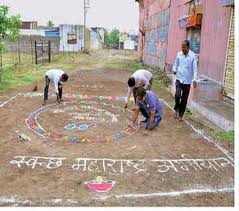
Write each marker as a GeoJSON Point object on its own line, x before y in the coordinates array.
{"type": "Point", "coordinates": [55, 75]}
{"type": "Point", "coordinates": [142, 78]}
{"type": "Point", "coordinates": [185, 67]}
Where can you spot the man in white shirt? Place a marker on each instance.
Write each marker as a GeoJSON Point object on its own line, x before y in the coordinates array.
{"type": "Point", "coordinates": [141, 78]}
{"type": "Point", "coordinates": [185, 68]}
{"type": "Point", "coordinates": [56, 77]}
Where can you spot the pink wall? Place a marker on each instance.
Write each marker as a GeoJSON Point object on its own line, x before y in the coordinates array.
{"type": "Point", "coordinates": [214, 37]}
{"type": "Point", "coordinates": [153, 20]}
{"type": "Point", "coordinates": [176, 35]}
{"type": "Point", "coordinates": [157, 5]}
{"type": "Point", "coordinates": [143, 7]}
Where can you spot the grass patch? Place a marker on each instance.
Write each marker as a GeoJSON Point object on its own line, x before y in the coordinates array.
{"type": "Point", "coordinates": [159, 85]}
{"type": "Point", "coordinates": [12, 78]}
{"type": "Point", "coordinates": [188, 112]}
{"type": "Point", "coordinates": [225, 136]}
{"type": "Point", "coordinates": [161, 80]}
{"type": "Point", "coordinates": [14, 75]}
{"type": "Point", "coordinates": [130, 65]}
{"type": "Point", "coordinates": [138, 66]}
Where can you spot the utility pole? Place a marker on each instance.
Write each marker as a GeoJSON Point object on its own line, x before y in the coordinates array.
{"type": "Point", "coordinates": [86, 6]}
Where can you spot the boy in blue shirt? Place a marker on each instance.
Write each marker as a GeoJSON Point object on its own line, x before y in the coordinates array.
{"type": "Point", "coordinates": [147, 102]}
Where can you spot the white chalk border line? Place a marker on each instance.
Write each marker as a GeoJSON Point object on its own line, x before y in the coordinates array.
{"type": "Point", "coordinates": [224, 151]}
{"type": "Point", "coordinates": [100, 197]}
{"type": "Point", "coordinates": [217, 145]}
{"type": "Point", "coordinates": [167, 194]}
{"type": "Point", "coordinates": [10, 99]}
{"type": "Point", "coordinates": [14, 200]}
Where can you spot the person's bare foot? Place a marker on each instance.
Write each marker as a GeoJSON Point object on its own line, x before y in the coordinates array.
{"type": "Point", "coordinates": [44, 103]}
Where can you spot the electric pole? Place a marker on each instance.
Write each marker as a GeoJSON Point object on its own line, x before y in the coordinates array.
{"type": "Point", "coordinates": [86, 6]}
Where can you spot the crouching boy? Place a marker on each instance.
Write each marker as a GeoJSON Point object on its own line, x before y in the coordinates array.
{"type": "Point", "coordinates": [148, 103]}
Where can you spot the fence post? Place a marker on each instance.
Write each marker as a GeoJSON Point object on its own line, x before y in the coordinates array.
{"type": "Point", "coordinates": [35, 52]}
{"type": "Point", "coordinates": [19, 53]}
{"type": "Point", "coordinates": [1, 68]}
{"type": "Point", "coordinates": [0, 57]}
{"type": "Point", "coordinates": [32, 50]}
{"type": "Point", "coordinates": [49, 51]}
{"type": "Point", "coordinates": [42, 53]}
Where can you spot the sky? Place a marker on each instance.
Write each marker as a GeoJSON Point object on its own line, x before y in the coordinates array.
{"type": "Point", "coordinates": [120, 14]}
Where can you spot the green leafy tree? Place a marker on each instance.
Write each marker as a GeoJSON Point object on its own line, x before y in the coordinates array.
{"type": "Point", "coordinates": [9, 29]}
{"type": "Point", "coordinates": [9, 26]}
{"type": "Point", "coordinates": [112, 38]}
{"type": "Point", "coordinates": [50, 24]}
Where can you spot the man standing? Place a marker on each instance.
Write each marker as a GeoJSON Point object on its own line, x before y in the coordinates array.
{"type": "Point", "coordinates": [185, 68]}
{"type": "Point", "coordinates": [147, 102]}
{"type": "Point", "coordinates": [55, 76]}
{"type": "Point", "coordinates": [141, 78]}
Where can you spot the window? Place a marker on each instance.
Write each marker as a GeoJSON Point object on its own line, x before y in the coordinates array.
{"type": "Point", "coordinates": [71, 39]}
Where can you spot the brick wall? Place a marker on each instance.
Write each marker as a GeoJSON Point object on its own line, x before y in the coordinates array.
{"type": "Point", "coordinates": [26, 43]}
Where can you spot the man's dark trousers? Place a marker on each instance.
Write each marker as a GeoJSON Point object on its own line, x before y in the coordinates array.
{"type": "Point", "coordinates": [47, 80]}
{"type": "Point", "coordinates": [181, 97]}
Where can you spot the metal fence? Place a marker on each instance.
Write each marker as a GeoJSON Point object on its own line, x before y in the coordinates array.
{"type": "Point", "coordinates": [23, 51]}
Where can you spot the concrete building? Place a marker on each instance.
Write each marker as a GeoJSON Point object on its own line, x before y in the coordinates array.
{"type": "Point", "coordinates": [52, 32]}
{"type": "Point", "coordinates": [129, 44]}
{"type": "Point", "coordinates": [30, 32]}
{"type": "Point", "coordinates": [209, 27]}
{"type": "Point", "coordinates": [97, 38]}
{"type": "Point", "coordinates": [28, 25]}
{"type": "Point", "coordinates": [48, 32]}
{"type": "Point", "coordinates": [127, 41]}
{"type": "Point", "coordinates": [71, 37]}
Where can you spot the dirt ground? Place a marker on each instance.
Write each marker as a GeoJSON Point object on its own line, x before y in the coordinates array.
{"type": "Point", "coordinates": [172, 166]}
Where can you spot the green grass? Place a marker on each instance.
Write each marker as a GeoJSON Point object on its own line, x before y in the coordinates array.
{"type": "Point", "coordinates": [130, 65]}
{"type": "Point", "coordinates": [138, 66]}
{"type": "Point", "coordinates": [225, 136]}
{"type": "Point", "coordinates": [188, 112]}
{"type": "Point", "coordinates": [159, 85]}
{"type": "Point", "coordinates": [12, 78]}
{"type": "Point", "coordinates": [14, 75]}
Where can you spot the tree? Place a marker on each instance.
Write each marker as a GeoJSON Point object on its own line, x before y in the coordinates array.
{"type": "Point", "coordinates": [9, 28]}
{"type": "Point", "coordinates": [50, 24]}
{"type": "Point", "coordinates": [112, 38]}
